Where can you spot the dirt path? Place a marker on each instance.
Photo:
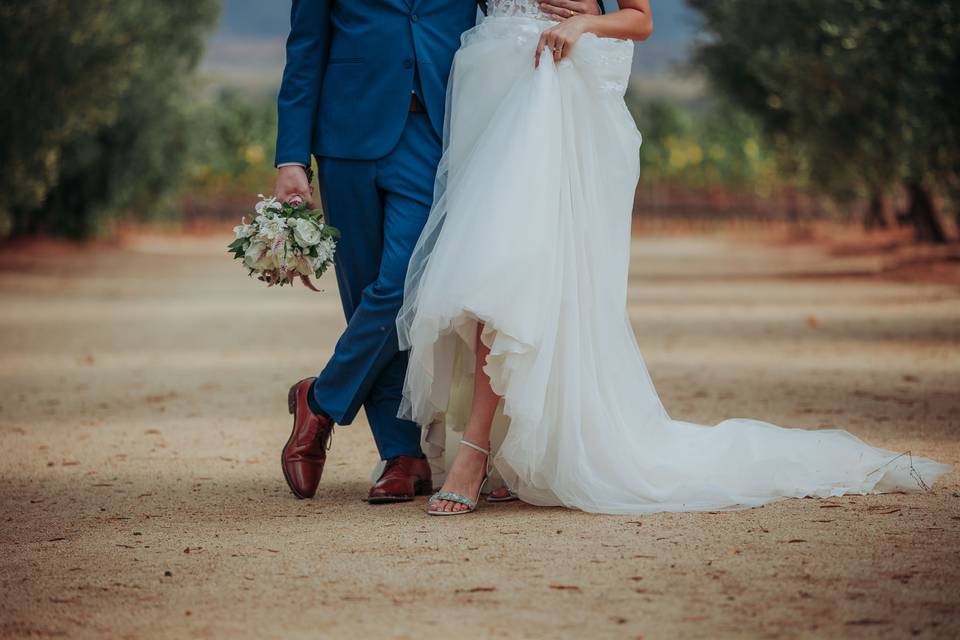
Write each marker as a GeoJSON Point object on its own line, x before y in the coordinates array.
{"type": "Point", "coordinates": [143, 408]}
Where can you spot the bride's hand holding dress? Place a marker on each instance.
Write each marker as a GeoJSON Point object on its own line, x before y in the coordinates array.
{"type": "Point", "coordinates": [632, 22]}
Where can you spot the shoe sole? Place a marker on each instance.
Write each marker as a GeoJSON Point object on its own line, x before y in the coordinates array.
{"type": "Point", "coordinates": [389, 499]}
{"type": "Point", "coordinates": [419, 490]}
{"type": "Point", "coordinates": [450, 513]}
{"type": "Point", "coordinates": [292, 406]}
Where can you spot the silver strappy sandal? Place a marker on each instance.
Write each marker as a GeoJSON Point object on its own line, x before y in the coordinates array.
{"type": "Point", "coordinates": [470, 504]}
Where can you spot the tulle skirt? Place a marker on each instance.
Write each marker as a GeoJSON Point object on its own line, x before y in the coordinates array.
{"type": "Point", "coordinates": [530, 235]}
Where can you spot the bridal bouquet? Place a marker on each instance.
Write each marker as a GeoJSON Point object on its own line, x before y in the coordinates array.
{"type": "Point", "coordinates": [284, 241]}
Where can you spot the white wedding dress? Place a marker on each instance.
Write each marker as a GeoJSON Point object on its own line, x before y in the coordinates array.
{"type": "Point", "coordinates": [530, 233]}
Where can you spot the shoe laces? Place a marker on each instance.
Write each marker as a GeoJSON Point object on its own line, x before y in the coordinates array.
{"type": "Point", "coordinates": [322, 433]}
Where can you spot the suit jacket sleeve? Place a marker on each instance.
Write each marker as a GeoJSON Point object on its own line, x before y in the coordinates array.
{"type": "Point", "coordinates": [307, 48]}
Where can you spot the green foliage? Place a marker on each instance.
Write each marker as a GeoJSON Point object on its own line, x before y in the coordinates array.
{"type": "Point", "coordinates": [232, 141]}
{"type": "Point", "coordinates": [714, 145]}
{"type": "Point", "coordinates": [93, 107]}
{"type": "Point", "coordinates": [854, 94]}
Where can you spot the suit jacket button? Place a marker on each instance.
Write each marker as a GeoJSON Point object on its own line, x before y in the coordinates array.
{"type": "Point", "coordinates": [414, 17]}
{"type": "Point", "coordinates": [408, 64]}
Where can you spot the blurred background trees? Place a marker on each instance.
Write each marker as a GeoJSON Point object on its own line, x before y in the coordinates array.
{"type": "Point", "coordinates": [858, 98]}
{"type": "Point", "coordinates": [94, 102]}
{"type": "Point", "coordinates": [750, 109]}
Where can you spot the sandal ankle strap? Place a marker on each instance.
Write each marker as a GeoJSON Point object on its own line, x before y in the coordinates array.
{"type": "Point", "coordinates": [477, 447]}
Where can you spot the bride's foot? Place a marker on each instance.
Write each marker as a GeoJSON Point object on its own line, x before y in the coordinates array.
{"type": "Point", "coordinates": [467, 474]}
{"type": "Point", "coordinates": [501, 494]}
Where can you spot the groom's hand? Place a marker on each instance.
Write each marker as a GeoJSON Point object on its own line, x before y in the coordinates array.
{"type": "Point", "coordinates": [560, 10]}
{"type": "Point", "coordinates": [292, 181]}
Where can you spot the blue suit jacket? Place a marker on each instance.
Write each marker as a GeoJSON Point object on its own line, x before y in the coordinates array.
{"type": "Point", "coordinates": [351, 68]}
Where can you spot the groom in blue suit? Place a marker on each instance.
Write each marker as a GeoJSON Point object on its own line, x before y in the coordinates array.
{"type": "Point", "coordinates": [364, 91]}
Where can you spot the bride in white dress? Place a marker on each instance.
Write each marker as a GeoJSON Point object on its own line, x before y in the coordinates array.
{"type": "Point", "coordinates": [515, 308]}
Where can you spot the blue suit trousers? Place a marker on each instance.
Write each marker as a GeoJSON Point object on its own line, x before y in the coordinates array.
{"type": "Point", "coordinates": [380, 207]}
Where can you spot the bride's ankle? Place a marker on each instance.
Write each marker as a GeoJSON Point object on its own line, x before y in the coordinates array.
{"type": "Point", "coordinates": [471, 456]}
{"type": "Point", "coordinates": [467, 464]}
{"type": "Point", "coordinates": [478, 440]}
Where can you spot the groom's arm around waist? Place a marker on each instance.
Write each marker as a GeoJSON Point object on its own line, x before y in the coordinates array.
{"type": "Point", "coordinates": [307, 48]}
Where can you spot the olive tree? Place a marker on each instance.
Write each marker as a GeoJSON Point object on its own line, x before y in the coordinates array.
{"type": "Point", "coordinates": [858, 96]}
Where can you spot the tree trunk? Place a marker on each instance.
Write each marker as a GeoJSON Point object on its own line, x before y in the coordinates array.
{"type": "Point", "coordinates": [876, 215]}
{"type": "Point", "coordinates": [927, 227]}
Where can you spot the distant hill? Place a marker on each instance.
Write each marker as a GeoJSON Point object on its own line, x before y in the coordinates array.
{"type": "Point", "coordinates": [254, 18]}
{"type": "Point", "coordinates": [674, 20]}
{"type": "Point", "coordinates": [247, 46]}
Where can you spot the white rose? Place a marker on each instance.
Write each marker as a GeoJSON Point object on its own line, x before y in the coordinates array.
{"type": "Point", "coordinates": [254, 254]}
{"type": "Point", "coordinates": [306, 233]}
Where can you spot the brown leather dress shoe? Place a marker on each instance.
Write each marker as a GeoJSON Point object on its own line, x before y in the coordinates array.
{"type": "Point", "coordinates": [403, 478]}
{"type": "Point", "coordinates": [305, 453]}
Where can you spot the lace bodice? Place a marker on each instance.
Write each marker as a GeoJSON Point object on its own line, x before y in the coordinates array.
{"type": "Point", "coordinates": [520, 8]}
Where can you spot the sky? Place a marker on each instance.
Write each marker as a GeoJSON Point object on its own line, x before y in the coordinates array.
{"type": "Point", "coordinates": [247, 46]}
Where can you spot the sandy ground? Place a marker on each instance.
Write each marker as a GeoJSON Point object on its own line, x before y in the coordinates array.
{"type": "Point", "coordinates": [142, 412]}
